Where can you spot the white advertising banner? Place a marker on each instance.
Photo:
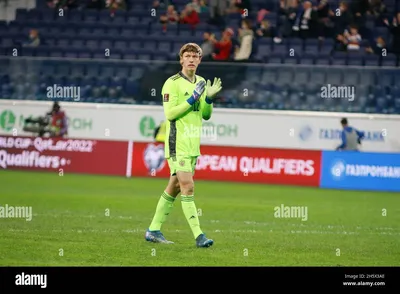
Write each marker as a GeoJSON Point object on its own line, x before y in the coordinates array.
{"type": "Point", "coordinates": [230, 127]}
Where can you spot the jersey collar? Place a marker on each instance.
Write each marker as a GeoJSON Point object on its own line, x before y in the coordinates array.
{"type": "Point", "coordinates": [183, 76]}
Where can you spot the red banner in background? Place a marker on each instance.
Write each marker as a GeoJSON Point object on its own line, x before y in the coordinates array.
{"type": "Point", "coordinates": [70, 155]}
{"type": "Point", "coordinates": [241, 164]}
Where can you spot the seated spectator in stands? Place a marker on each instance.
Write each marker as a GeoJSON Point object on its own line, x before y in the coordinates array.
{"type": "Point", "coordinates": [62, 4]}
{"type": "Point", "coordinates": [306, 21]}
{"type": "Point", "coordinates": [240, 6]}
{"type": "Point", "coordinates": [246, 36]}
{"type": "Point", "coordinates": [378, 10]}
{"type": "Point", "coordinates": [96, 4]}
{"type": "Point", "coordinates": [162, 3]}
{"type": "Point", "coordinates": [265, 29]}
{"type": "Point", "coordinates": [217, 9]}
{"type": "Point", "coordinates": [287, 16]}
{"type": "Point", "coordinates": [115, 5]}
{"type": "Point", "coordinates": [53, 3]}
{"type": "Point", "coordinates": [342, 19]}
{"type": "Point", "coordinates": [223, 47]}
{"type": "Point", "coordinates": [394, 28]}
{"type": "Point", "coordinates": [199, 6]}
{"type": "Point", "coordinates": [171, 17]}
{"type": "Point", "coordinates": [351, 39]}
{"type": "Point", "coordinates": [377, 47]}
{"type": "Point", "coordinates": [359, 9]}
{"type": "Point", "coordinates": [203, 6]}
{"type": "Point", "coordinates": [325, 24]}
{"type": "Point", "coordinates": [189, 16]}
{"type": "Point", "coordinates": [34, 39]}
{"type": "Point", "coordinates": [207, 46]}
{"type": "Point", "coordinates": [261, 15]}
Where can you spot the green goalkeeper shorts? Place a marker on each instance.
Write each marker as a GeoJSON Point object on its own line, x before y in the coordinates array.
{"type": "Point", "coordinates": [184, 164]}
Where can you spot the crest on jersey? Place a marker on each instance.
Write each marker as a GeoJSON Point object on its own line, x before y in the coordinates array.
{"type": "Point", "coordinates": [182, 163]}
{"type": "Point", "coordinates": [166, 98]}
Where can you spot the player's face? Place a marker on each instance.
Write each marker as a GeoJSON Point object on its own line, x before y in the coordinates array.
{"type": "Point", "coordinates": [190, 61]}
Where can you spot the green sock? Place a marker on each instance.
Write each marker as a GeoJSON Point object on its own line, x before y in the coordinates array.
{"type": "Point", "coordinates": [164, 207]}
{"type": "Point", "coordinates": [190, 211]}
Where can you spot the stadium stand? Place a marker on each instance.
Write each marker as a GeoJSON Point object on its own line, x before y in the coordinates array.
{"type": "Point", "coordinates": [124, 56]}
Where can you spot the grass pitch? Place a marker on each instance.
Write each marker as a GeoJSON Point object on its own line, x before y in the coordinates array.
{"type": "Point", "coordinates": [82, 220]}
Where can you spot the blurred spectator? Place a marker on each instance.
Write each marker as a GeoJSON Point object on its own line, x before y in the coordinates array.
{"type": "Point", "coordinates": [287, 16]}
{"type": "Point", "coordinates": [325, 24]}
{"type": "Point", "coordinates": [359, 9]}
{"type": "Point", "coordinates": [96, 4]}
{"type": "Point", "coordinates": [323, 9]}
{"type": "Point", "coordinates": [190, 16]}
{"type": "Point", "coordinates": [114, 5]}
{"type": "Point", "coordinates": [63, 4]}
{"type": "Point", "coordinates": [50, 3]}
{"type": "Point", "coordinates": [342, 19]}
{"type": "Point", "coordinates": [306, 21]}
{"type": "Point", "coordinates": [261, 14]}
{"type": "Point", "coordinates": [171, 17]}
{"type": "Point", "coordinates": [239, 6]}
{"type": "Point", "coordinates": [394, 28]}
{"type": "Point", "coordinates": [377, 46]}
{"type": "Point", "coordinates": [207, 46]}
{"type": "Point", "coordinates": [351, 40]}
{"type": "Point", "coordinates": [223, 47]}
{"type": "Point", "coordinates": [378, 9]}
{"type": "Point", "coordinates": [203, 6]}
{"type": "Point", "coordinates": [59, 123]}
{"type": "Point", "coordinates": [246, 36]}
{"type": "Point", "coordinates": [199, 6]}
{"type": "Point", "coordinates": [265, 29]}
{"type": "Point", "coordinates": [162, 3]}
{"type": "Point", "coordinates": [34, 39]}
{"type": "Point", "coordinates": [217, 10]}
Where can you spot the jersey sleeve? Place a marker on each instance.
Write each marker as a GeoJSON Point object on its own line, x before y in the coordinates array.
{"type": "Point", "coordinates": [172, 109]}
{"type": "Point", "coordinates": [206, 106]}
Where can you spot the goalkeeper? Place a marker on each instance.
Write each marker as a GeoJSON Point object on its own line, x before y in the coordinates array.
{"type": "Point", "coordinates": [187, 100]}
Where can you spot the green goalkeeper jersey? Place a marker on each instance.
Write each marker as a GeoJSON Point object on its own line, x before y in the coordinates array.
{"type": "Point", "coordinates": [184, 121]}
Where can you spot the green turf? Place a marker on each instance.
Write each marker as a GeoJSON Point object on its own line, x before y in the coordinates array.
{"type": "Point", "coordinates": [70, 225]}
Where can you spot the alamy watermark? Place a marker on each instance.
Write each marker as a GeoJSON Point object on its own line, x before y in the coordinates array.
{"type": "Point", "coordinates": [291, 212]}
{"type": "Point", "coordinates": [9, 211]}
{"type": "Point", "coordinates": [207, 132]}
{"type": "Point", "coordinates": [24, 279]}
{"type": "Point", "coordinates": [338, 92]}
{"type": "Point", "coordinates": [64, 92]}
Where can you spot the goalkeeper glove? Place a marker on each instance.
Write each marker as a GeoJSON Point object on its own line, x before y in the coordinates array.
{"type": "Point", "coordinates": [213, 89]}
{"type": "Point", "coordinates": [198, 91]}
